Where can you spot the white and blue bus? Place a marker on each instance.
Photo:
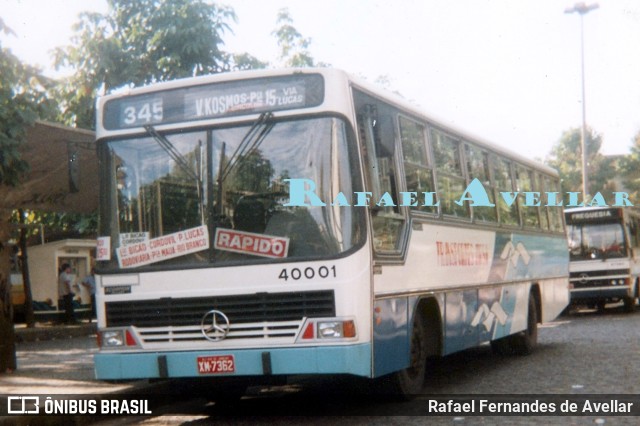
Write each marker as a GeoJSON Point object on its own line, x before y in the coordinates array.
{"type": "Point", "coordinates": [604, 245]}
{"type": "Point", "coordinates": [207, 269]}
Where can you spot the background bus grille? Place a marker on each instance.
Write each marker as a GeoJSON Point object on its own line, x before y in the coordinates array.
{"type": "Point", "coordinates": [249, 308]}
{"type": "Point", "coordinates": [602, 278]}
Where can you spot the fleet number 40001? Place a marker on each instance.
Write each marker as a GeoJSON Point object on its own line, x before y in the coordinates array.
{"type": "Point", "coordinates": [308, 273]}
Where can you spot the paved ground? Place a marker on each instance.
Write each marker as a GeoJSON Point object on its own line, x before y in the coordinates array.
{"type": "Point", "coordinates": [57, 360]}
{"type": "Point", "coordinates": [583, 353]}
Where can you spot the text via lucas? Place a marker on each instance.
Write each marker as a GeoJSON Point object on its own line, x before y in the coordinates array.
{"type": "Point", "coordinates": [165, 247]}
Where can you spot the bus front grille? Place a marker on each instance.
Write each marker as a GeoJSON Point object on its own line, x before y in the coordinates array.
{"type": "Point", "coordinates": [240, 309]}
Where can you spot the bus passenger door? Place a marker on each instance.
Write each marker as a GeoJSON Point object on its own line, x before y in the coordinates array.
{"type": "Point", "coordinates": [391, 332]}
{"type": "Point", "coordinates": [377, 133]}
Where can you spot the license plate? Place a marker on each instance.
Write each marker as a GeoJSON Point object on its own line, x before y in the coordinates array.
{"type": "Point", "coordinates": [220, 364]}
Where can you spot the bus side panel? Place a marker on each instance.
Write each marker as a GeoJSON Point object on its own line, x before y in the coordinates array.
{"type": "Point", "coordinates": [480, 315]}
{"type": "Point", "coordinates": [502, 311]}
{"type": "Point", "coordinates": [460, 309]}
{"type": "Point", "coordinates": [390, 335]}
{"type": "Point", "coordinates": [555, 297]}
{"type": "Point", "coordinates": [443, 256]}
{"type": "Point", "coordinates": [524, 256]}
{"type": "Point", "coordinates": [510, 311]}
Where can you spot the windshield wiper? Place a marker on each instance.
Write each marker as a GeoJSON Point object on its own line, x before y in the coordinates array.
{"type": "Point", "coordinates": [171, 150]}
{"type": "Point", "coordinates": [249, 144]}
{"type": "Point", "coordinates": [182, 162]}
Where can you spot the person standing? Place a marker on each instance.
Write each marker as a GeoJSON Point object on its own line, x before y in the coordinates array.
{"type": "Point", "coordinates": [65, 293]}
{"type": "Point", "coordinates": [89, 282]}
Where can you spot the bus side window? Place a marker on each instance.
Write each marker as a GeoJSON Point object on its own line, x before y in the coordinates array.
{"type": "Point", "coordinates": [544, 211]}
{"type": "Point", "coordinates": [377, 134]}
{"type": "Point", "coordinates": [526, 183]}
{"type": "Point", "coordinates": [451, 181]}
{"type": "Point", "coordinates": [478, 167]}
{"type": "Point", "coordinates": [504, 183]}
{"type": "Point", "coordinates": [554, 212]}
{"type": "Point", "coordinates": [417, 167]}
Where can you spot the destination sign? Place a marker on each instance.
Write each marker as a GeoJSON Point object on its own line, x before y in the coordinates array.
{"type": "Point", "coordinates": [593, 215]}
{"type": "Point", "coordinates": [214, 100]}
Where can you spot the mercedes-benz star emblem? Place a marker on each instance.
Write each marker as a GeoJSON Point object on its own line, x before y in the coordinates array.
{"type": "Point", "coordinates": [214, 326]}
{"type": "Point", "coordinates": [584, 277]}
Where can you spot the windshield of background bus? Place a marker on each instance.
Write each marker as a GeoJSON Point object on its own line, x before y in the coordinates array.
{"type": "Point", "coordinates": [596, 241]}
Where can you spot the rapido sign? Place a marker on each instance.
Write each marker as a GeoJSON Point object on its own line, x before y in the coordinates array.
{"type": "Point", "coordinates": [249, 243]}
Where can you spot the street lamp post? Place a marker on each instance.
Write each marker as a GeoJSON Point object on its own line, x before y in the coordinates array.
{"type": "Point", "coordinates": [582, 9]}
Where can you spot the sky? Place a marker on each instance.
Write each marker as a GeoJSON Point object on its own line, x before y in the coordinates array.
{"type": "Point", "coordinates": [508, 71]}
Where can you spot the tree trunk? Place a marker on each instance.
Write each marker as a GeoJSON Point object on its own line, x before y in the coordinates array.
{"type": "Point", "coordinates": [29, 318]}
{"type": "Point", "coordinates": [7, 332]}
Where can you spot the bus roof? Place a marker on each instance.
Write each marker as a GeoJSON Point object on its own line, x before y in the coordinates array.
{"type": "Point", "coordinates": [335, 74]}
{"type": "Point", "coordinates": [586, 209]}
{"type": "Point", "coordinates": [631, 210]}
{"type": "Point", "coordinates": [439, 122]}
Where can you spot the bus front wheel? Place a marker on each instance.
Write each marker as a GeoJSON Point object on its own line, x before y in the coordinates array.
{"type": "Point", "coordinates": [405, 384]}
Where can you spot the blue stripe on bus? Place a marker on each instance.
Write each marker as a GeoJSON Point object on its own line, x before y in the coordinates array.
{"type": "Point", "coordinates": [348, 359]}
{"type": "Point", "coordinates": [508, 299]}
{"type": "Point", "coordinates": [460, 310]}
{"type": "Point", "coordinates": [390, 335]}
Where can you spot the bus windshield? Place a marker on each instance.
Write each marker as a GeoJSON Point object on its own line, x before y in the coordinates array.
{"type": "Point", "coordinates": [229, 183]}
{"type": "Point", "coordinates": [596, 241]}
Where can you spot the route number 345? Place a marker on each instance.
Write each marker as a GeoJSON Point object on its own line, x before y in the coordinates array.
{"type": "Point", "coordinates": [145, 112]}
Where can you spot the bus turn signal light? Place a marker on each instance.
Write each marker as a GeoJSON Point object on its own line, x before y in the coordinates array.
{"type": "Point", "coordinates": [308, 332]}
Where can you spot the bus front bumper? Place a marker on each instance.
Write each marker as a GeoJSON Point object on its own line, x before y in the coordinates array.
{"type": "Point", "coordinates": [347, 359]}
{"type": "Point", "coordinates": [599, 293]}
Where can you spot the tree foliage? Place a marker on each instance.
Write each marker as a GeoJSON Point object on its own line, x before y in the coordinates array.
{"type": "Point", "coordinates": [140, 42]}
{"type": "Point", "coordinates": [53, 226]}
{"type": "Point", "coordinates": [566, 157]}
{"type": "Point", "coordinates": [22, 101]}
{"type": "Point", "coordinates": [294, 48]}
{"type": "Point", "coordinates": [629, 170]}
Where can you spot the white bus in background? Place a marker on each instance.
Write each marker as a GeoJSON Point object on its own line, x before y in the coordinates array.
{"type": "Point", "coordinates": [604, 258]}
{"type": "Point", "coordinates": [205, 270]}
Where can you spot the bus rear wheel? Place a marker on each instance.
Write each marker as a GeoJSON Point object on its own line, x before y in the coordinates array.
{"type": "Point", "coordinates": [524, 342]}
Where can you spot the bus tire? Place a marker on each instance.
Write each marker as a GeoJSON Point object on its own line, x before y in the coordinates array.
{"type": "Point", "coordinates": [524, 342]}
{"type": "Point", "coordinates": [629, 304]}
{"type": "Point", "coordinates": [404, 385]}
{"type": "Point", "coordinates": [630, 301]}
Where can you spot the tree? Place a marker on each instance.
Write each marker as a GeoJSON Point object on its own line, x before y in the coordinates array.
{"type": "Point", "coordinates": [566, 157]}
{"type": "Point", "coordinates": [22, 101]}
{"type": "Point", "coordinates": [242, 62]}
{"type": "Point", "coordinates": [630, 170]}
{"type": "Point", "coordinates": [140, 42]}
{"type": "Point", "coordinates": [293, 46]}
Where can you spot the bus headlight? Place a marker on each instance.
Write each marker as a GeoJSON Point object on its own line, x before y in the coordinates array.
{"type": "Point", "coordinates": [336, 329]}
{"type": "Point", "coordinates": [116, 338]}
{"type": "Point", "coordinates": [112, 338]}
{"type": "Point", "coordinates": [327, 328]}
